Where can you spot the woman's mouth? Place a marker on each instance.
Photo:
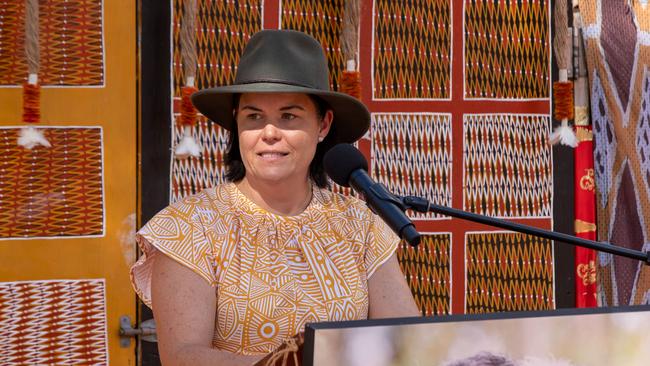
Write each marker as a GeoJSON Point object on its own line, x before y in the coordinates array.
{"type": "Point", "coordinates": [271, 155]}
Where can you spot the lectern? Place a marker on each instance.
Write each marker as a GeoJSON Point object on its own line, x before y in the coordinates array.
{"type": "Point", "coordinates": [596, 336]}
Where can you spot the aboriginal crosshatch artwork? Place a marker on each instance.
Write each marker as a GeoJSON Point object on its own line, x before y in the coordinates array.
{"type": "Point", "coordinates": [507, 49]}
{"type": "Point", "coordinates": [508, 272]}
{"type": "Point", "coordinates": [507, 164]}
{"type": "Point", "coordinates": [427, 269]}
{"type": "Point", "coordinates": [71, 40]}
{"type": "Point", "coordinates": [411, 155]}
{"type": "Point", "coordinates": [412, 49]}
{"type": "Point", "coordinates": [55, 191]}
{"type": "Point", "coordinates": [55, 322]}
{"type": "Point", "coordinates": [68, 180]}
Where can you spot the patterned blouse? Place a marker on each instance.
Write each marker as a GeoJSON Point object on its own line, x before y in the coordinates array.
{"type": "Point", "coordinates": [273, 273]}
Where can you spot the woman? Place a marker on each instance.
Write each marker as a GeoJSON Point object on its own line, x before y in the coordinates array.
{"type": "Point", "coordinates": [234, 270]}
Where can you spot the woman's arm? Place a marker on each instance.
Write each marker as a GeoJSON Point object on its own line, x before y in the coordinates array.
{"type": "Point", "coordinates": [388, 293]}
{"type": "Point", "coordinates": [184, 306]}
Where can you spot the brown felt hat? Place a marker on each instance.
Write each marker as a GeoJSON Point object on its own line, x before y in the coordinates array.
{"type": "Point", "coordinates": [284, 61]}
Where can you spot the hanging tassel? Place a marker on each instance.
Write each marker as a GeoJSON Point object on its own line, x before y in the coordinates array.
{"type": "Point", "coordinates": [562, 89]}
{"type": "Point", "coordinates": [30, 137]}
{"type": "Point", "coordinates": [564, 135]}
{"type": "Point", "coordinates": [31, 101]}
{"type": "Point", "coordinates": [563, 111]}
{"type": "Point", "coordinates": [187, 146]}
{"type": "Point", "coordinates": [351, 81]}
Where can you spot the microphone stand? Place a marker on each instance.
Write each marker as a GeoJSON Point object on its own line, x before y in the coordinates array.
{"type": "Point", "coordinates": [423, 205]}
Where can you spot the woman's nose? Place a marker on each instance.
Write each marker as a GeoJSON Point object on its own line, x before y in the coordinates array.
{"type": "Point", "coordinates": [270, 132]}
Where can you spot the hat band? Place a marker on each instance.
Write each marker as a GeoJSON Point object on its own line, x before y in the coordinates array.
{"type": "Point", "coordinates": [279, 81]}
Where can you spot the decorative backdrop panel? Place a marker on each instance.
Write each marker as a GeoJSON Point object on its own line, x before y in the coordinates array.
{"type": "Point", "coordinates": [52, 192]}
{"type": "Point", "coordinates": [507, 49]}
{"type": "Point", "coordinates": [222, 30]}
{"type": "Point", "coordinates": [412, 53]}
{"type": "Point", "coordinates": [507, 165]}
{"type": "Point", "coordinates": [427, 268]}
{"type": "Point", "coordinates": [618, 55]}
{"type": "Point", "coordinates": [55, 322]}
{"type": "Point", "coordinates": [508, 272]}
{"type": "Point", "coordinates": [411, 155]}
{"type": "Point", "coordinates": [70, 37]}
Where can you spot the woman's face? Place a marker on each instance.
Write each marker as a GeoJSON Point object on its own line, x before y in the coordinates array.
{"type": "Point", "coordinates": [278, 134]}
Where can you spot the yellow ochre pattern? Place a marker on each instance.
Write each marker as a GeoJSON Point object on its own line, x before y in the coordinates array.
{"type": "Point", "coordinates": [273, 273]}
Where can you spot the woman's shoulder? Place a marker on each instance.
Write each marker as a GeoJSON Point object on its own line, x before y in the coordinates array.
{"type": "Point", "coordinates": [337, 203]}
{"type": "Point", "coordinates": [210, 201]}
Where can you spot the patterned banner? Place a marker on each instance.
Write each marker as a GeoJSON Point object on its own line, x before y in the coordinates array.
{"type": "Point", "coordinates": [508, 165]}
{"type": "Point", "coordinates": [585, 218]}
{"type": "Point", "coordinates": [507, 49]}
{"type": "Point", "coordinates": [618, 56]}
{"type": "Point", "coordinates": [70, 37]}
{"type": "Point", "coordinates": [508, 272]}
{"type": "Point", "coordinates": [57, 322]}
{"type": "Point", "coordinates": [427, 268]}
{"type": "Point", "coordinates": [411, 155]}
{"type": "Point", "coordinates": [50, 192]}
{"type": "Point", "coordinates": [412, 49]}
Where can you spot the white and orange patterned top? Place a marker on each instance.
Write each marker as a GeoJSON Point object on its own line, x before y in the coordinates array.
{"type": "Point", "coordinates": [273, 273]}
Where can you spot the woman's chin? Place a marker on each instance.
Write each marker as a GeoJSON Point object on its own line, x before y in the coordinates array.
{"type": "Point", "coordinates": [275, 177]}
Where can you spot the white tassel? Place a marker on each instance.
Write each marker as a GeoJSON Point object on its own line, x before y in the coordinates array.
{"type": "Point", "coordinates": [564, 135]}
{"type": "Point", "coordinates": [29, 138]}
{"type": "Point", "coordinates": [187, 146]}
{"type": "Point", "coordinates": [351, 65]}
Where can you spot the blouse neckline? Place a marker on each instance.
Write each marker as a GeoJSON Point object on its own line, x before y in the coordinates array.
{"type": "Point", "coordinates": [242, 202]}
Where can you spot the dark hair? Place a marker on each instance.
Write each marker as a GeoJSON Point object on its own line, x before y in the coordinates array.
{"type": "Point", "coordinates": [235, 170]}
{"type": "Point", "coordinates": [484, 359]}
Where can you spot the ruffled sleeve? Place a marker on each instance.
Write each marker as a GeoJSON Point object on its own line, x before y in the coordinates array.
{"type": "Point", "coordinates": [381, 243]}
{"type": "Point", "coordinates": [178, 232]}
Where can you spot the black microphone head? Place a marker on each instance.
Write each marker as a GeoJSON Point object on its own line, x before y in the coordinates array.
{"type": "Point", "coordinates": [341, 160]}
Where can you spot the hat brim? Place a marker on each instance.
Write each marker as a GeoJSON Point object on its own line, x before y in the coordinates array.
{"type": "Point", "coordinates": [351, 117]}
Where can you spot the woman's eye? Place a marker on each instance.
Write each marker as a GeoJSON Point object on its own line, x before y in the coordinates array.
{"type": "Point", "coordinates": [288, 116]}
{"type": "Point", "coordinates": [254, 116]}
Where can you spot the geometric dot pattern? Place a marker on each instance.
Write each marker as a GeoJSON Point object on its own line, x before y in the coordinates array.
{"type": "Point", "coordinates": [508, 272]}
{"type": "Point", "coordinates": [427, 269]}
{"type": "Point", "coordinates": [507, 165]}
{"type": "Point", "coordinates": [71, 43]}
{"type": "Point", "coordinates": [52, 191]}
{"type": "Point", "coordinates": [411, 155]}
{"type": "Point", "coordinates": [506, 49]}
{"type": "Point", "coordinates": [54, 322]}
{"type": "Point", "coordinates": [412, 46]}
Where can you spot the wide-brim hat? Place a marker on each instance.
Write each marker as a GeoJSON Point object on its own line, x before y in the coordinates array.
{"type": "Point", "coordinates": [284, 61]}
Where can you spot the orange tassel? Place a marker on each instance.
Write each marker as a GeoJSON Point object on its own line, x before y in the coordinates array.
{"type": "Point", "coordinates": [563, 100]}
{"type": "Point", "coordinates": [188, 112]}
{"type": "Point", "coordinates": [31, 103]}
{"type": "Point", "coordinates": [351, 83]}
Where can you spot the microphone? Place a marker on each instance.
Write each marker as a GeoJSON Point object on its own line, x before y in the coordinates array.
{"type": "Point", "coordinates": [348, 167]}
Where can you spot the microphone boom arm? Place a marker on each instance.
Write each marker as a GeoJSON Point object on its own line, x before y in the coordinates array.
{"type": "Point", "coordinates": [422, 205]}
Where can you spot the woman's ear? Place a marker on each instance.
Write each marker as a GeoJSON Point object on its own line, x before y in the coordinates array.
{"type": "Point", "coordinates": [326, 124]}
